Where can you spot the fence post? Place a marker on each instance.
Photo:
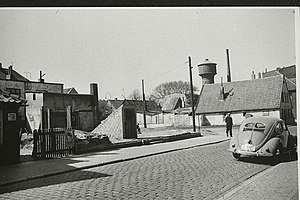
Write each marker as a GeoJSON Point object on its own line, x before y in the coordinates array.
{"type": "Point", "coordinates": [34, 151]}
{"type": "Point", "coordinates": [69, 117]}
{"type": "Point", "coordinates": [49, 115]}
{"type": "Point", "coordinates": [43, 143]}
{"type": "Point", "coordinates": [52, 142]}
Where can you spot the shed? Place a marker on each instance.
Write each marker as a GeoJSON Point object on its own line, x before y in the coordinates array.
{"type": "Point", "coordinates": [10, 125]}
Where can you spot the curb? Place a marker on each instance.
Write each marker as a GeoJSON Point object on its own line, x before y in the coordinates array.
{"type": "Point", "coordinates": [106, 163]}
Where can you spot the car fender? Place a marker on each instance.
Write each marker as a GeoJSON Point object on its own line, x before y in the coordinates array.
{"type": "Point", "coordinates": [272, 145]}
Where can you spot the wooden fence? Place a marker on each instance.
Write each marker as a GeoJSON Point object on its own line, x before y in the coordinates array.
{"type": "Point", "coordinates": [53, 143]}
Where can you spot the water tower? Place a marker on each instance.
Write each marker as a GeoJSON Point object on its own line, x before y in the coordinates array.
{"type": "Point", "coordinates": [207, 70]}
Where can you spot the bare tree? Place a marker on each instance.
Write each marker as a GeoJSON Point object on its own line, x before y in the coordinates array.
{"type": "Point", "coordinates": [135, 95]}
{"type": "Point", "coordinates": [172, 87]}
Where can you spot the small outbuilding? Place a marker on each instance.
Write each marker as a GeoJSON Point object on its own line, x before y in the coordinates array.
{"type": "Point", "coordinates": [10, 127]}
{"type": "Point", "coordinates": [120, 124]}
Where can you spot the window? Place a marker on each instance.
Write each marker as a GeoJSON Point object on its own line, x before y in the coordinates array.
{"type": "Point", "coordinates": [14, 91]}
{"type": "Point", "coordinates": [255, 127]}
{"type": "Point", "coordinates": [34, 97]}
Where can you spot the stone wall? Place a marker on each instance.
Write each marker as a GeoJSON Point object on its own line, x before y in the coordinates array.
{"type": "Point", "coordinates": [182, 120]}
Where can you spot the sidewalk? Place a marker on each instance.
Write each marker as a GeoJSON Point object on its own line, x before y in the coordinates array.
{"type": "Point", "coordinates": [43, 168]}
{"type": "Point", "coordinates": [277, 183]}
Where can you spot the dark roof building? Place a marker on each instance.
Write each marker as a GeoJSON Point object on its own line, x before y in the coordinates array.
{"type": "Point", "coordinates": [138, 104]}
{"type": "Point", "coordinates": [248, 95]}
{"type": "Point", "coordinates": [288, 72]}
{"type": "Point", "coordinates": [10, 74]}
{"type": "Point", "coordinates": [290, 77]}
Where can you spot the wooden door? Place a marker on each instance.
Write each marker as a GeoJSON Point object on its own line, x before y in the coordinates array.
{"type": "Point", "coordinates": [129, 124]}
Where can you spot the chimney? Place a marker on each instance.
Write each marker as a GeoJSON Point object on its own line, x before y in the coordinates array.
{"type": "Point", "coordinates": [94, 92]}
{"type": "Point", "coordinates": [41, 80]}
{"type": "Point", "coordinates": [259, 74]}
{"type": "Point", "coordinates": [10, 70]}
{"type": "Point", "coordinates": [253, 75]}
{"type": "Point", "coordinates": [266, 70]}
{"type": "Point", "coordinates": [8, 76]}
{"type": "Point", "coordinates": [222, 93]}
{"type": "Point", "coordinates": [228, 67]}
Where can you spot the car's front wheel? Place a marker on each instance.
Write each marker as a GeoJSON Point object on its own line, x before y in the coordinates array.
{"type": "Point", "coordinates": [236, 155]}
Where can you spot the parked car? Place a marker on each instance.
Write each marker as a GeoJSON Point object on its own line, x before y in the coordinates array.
{"type": "Point", "coordinates": [262, 136]}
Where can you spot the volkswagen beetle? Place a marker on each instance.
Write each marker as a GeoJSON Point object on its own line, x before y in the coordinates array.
{"type": "Point", "coordinates": [262, 136]}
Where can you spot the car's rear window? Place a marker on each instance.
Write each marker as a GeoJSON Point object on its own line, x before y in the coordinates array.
{"type": "Point", "coordinates": [254, 126]}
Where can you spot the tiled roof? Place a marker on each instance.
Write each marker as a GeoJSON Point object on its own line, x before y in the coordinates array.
{"type": "Point", "coordinates": [15, 75]}
{"type": "Point", "coordinates": [288, 72]}
{"type": "Point", "coordinates": [171, 103]}
{"type": "Point", "coordinates": [139, 105]}
{"type": "Point", "coordinates": [256, 94]}
{"type": "Point", "coordinates": [6, 97]}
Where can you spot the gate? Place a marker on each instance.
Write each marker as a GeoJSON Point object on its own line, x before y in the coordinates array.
{"type": "Point", "coordinates": [53, 143]}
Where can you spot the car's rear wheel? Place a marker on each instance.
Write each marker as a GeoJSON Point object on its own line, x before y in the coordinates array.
{"type": "Point", "coordinates": [277, 156]}
{"type": "Point", "coordinates": [236, 155]}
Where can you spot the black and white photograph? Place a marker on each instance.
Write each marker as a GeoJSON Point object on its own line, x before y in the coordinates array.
{"type": "Point", "coordinates": [164, 103]}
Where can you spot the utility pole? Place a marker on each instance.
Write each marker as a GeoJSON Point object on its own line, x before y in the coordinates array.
{"type": "Point", "coordinates": [144, 101]}
{"type": "Point", "coordinates": [192, 94]}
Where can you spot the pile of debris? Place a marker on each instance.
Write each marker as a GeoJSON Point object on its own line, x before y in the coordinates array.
{"type": "Point", "coordinates": [89, 142]}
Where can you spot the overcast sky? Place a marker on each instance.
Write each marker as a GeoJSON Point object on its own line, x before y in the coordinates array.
{"type": "Point", "coordinates": [117, 48]}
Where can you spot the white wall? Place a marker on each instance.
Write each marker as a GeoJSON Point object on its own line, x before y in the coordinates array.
{"type": "Point", "coordinates": [33, 110]}
{"type": "Point", "coordinates": [218, 119]}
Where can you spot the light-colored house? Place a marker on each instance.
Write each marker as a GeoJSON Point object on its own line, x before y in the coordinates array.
{"type": "Point", "coordinates": [258, 97]}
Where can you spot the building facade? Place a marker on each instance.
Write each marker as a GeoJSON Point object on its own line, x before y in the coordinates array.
{"type": "Point", "coordinates": [256, 97]}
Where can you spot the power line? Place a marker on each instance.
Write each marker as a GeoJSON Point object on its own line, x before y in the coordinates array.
{"type": "Point", "coordinates": [181, 65]}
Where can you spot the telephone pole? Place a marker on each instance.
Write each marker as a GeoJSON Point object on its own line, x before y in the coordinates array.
{"type": "Point", "coordinates": [144, 101]}
{"type": "Point", "coordinates": [192, 94]}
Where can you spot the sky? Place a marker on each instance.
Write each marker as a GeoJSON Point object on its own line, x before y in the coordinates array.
{"type": "Point", "coordinates": [118, 47]}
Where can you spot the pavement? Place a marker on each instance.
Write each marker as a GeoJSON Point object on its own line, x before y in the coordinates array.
{"type": "Point", "coordinates": [280, 180]}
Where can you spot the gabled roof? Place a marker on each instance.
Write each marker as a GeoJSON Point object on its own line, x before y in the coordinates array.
{"type": "Point", "coordinates": [6, 97]}
{"type": "Point", "coordinates": [15, 76]}
{"type": "Point", "coordinates": [172, 103]}
{"type": "Point", "coordinates": [288, 72]}
{"type": "Point", "coordinates": [255, 94]}
{"type": "Point", "coordinates": [138, 104]}
{"type": "Point", "coordinates": [70, 91]}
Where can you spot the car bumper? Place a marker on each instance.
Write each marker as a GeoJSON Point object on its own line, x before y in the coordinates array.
{"type": "Point", "coordinates": [250, 153]}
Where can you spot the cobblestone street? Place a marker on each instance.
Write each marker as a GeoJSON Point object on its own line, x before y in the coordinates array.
{"type": "Point", "coordinates": [204, 172]}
